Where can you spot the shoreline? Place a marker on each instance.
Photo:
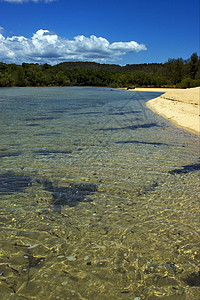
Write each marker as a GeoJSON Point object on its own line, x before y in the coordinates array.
{"type": "Point", "coordinates": [181, 107]}
{"type": "Point", "coordinates": [159, 90]}
{"type": "Point", "coordinates": [178, 106]}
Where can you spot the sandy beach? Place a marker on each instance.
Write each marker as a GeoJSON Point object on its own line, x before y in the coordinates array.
{"type": "Point", "coordinates": [159, 90]}
{"type": "Point", "coordinates": [179, 106]}
{"type": "Point", "coordinates": [143, 89]}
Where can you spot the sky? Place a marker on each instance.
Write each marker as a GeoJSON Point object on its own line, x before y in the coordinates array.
{"type": "Point", "coordinates": [104, 31]}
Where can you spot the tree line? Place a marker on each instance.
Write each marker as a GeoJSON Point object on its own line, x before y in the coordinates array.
{"type": "Point", "coordinates": [174, 73]}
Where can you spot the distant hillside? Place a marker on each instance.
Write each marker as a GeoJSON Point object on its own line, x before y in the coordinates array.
{"type": "Point", "coordinates": [174, 73]}
{"type": "Point", "coordinates": [151, 68]}
{"type": "Point", "coordinates": [89, 66]}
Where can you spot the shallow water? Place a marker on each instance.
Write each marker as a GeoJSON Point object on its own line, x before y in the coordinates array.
{"type": "Point", "coordinates": [98, 195]}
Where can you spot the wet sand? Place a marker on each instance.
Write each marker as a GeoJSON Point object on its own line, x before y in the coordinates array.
{"type": "Point", "coordinates": [179, 106]}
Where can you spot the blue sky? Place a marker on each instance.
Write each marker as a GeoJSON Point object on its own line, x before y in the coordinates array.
{"type": "Point", "coordinates": [106, 31]}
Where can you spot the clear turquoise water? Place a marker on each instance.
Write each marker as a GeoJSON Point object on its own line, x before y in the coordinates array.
{"type": "Point", "coordinates": [98, 195]}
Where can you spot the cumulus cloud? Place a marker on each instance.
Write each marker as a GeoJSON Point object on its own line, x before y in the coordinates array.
{"type": "Point", "coordinates": [47, 47]}
{"type": "Point", "coordinates": [1, 29]}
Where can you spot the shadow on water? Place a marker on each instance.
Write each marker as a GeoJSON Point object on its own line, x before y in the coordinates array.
{"type": "Point", "coordinates": [59, 111]}
{"type": "Point", "coordinates": [10, 154]}
{"type": "Point", "coordinates": [125, 113]}
{"type": "Point", "coordinates": [88, 113]}
{"type": "Point", "coordinates": [71, 195]}
{"type": "Point", "coordinates": [40, 119]}
{"type": "Point", "coordinates": [134, 127]}
{"type": "Point", "coordinates": [140, 142]}
{"type": "Point", "coordinates": [186, 169]}
{"type": "Point", "coordinates": [11, 182]}
{"type": "Point", "coordinates": [33, 124]}
{"type": "Point", "coordinates": [47, 134]}
{"type": "Point", "coordinates": [47, 152]}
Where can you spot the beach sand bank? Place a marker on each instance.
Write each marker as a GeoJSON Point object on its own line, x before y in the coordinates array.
{"type": "Point", "coordinates": [179, 106]}
{"type": "Point", "coordinates": [159, 90]}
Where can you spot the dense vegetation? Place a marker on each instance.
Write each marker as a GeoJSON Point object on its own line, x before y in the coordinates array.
{"type": "Point", "coordinates": [174, 73]}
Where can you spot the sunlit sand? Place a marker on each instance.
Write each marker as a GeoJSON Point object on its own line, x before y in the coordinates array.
{"type": "Point", "coordinates": [181, 107]}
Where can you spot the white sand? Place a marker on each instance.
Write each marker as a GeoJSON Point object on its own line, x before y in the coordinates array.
{"type": "Point", "coordinates": [179, 106]}
{"type": "Point", "coordinates": [159, 90]}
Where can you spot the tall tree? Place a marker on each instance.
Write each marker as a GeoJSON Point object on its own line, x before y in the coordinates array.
{"type": "Point", "coordinates": [193, 65]}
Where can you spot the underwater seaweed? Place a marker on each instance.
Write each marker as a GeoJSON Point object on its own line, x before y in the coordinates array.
{"type": "Point", "coordinates": [71, 195]}
{"type": "Point", "coordinates": [131, 127]}
{"type": "Point", "coordinates": [12, 182]}
{"type": "Point", "coordinates": [140, 142]}
{"type": "Point", "coordinates": [186, 169]}
{"type": "Point", "coordinates": [50, 152]}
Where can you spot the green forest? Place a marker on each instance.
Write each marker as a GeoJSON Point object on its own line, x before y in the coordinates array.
{"type": "Point", "coordinates": [178, 73]}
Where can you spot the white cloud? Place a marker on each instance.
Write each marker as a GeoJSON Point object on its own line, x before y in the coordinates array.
{"type": "Point", "coordinates": [22, 1]}
{"type": "Point", "coordinates": [48, 47]}
{"type": "Point", "coordinates": [1, 29]}
{"type": "Point", "coordinates": [127, 47]}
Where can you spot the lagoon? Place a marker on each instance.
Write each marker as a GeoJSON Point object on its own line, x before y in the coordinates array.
{"type": "Point", "coordinates": [98, 195]}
